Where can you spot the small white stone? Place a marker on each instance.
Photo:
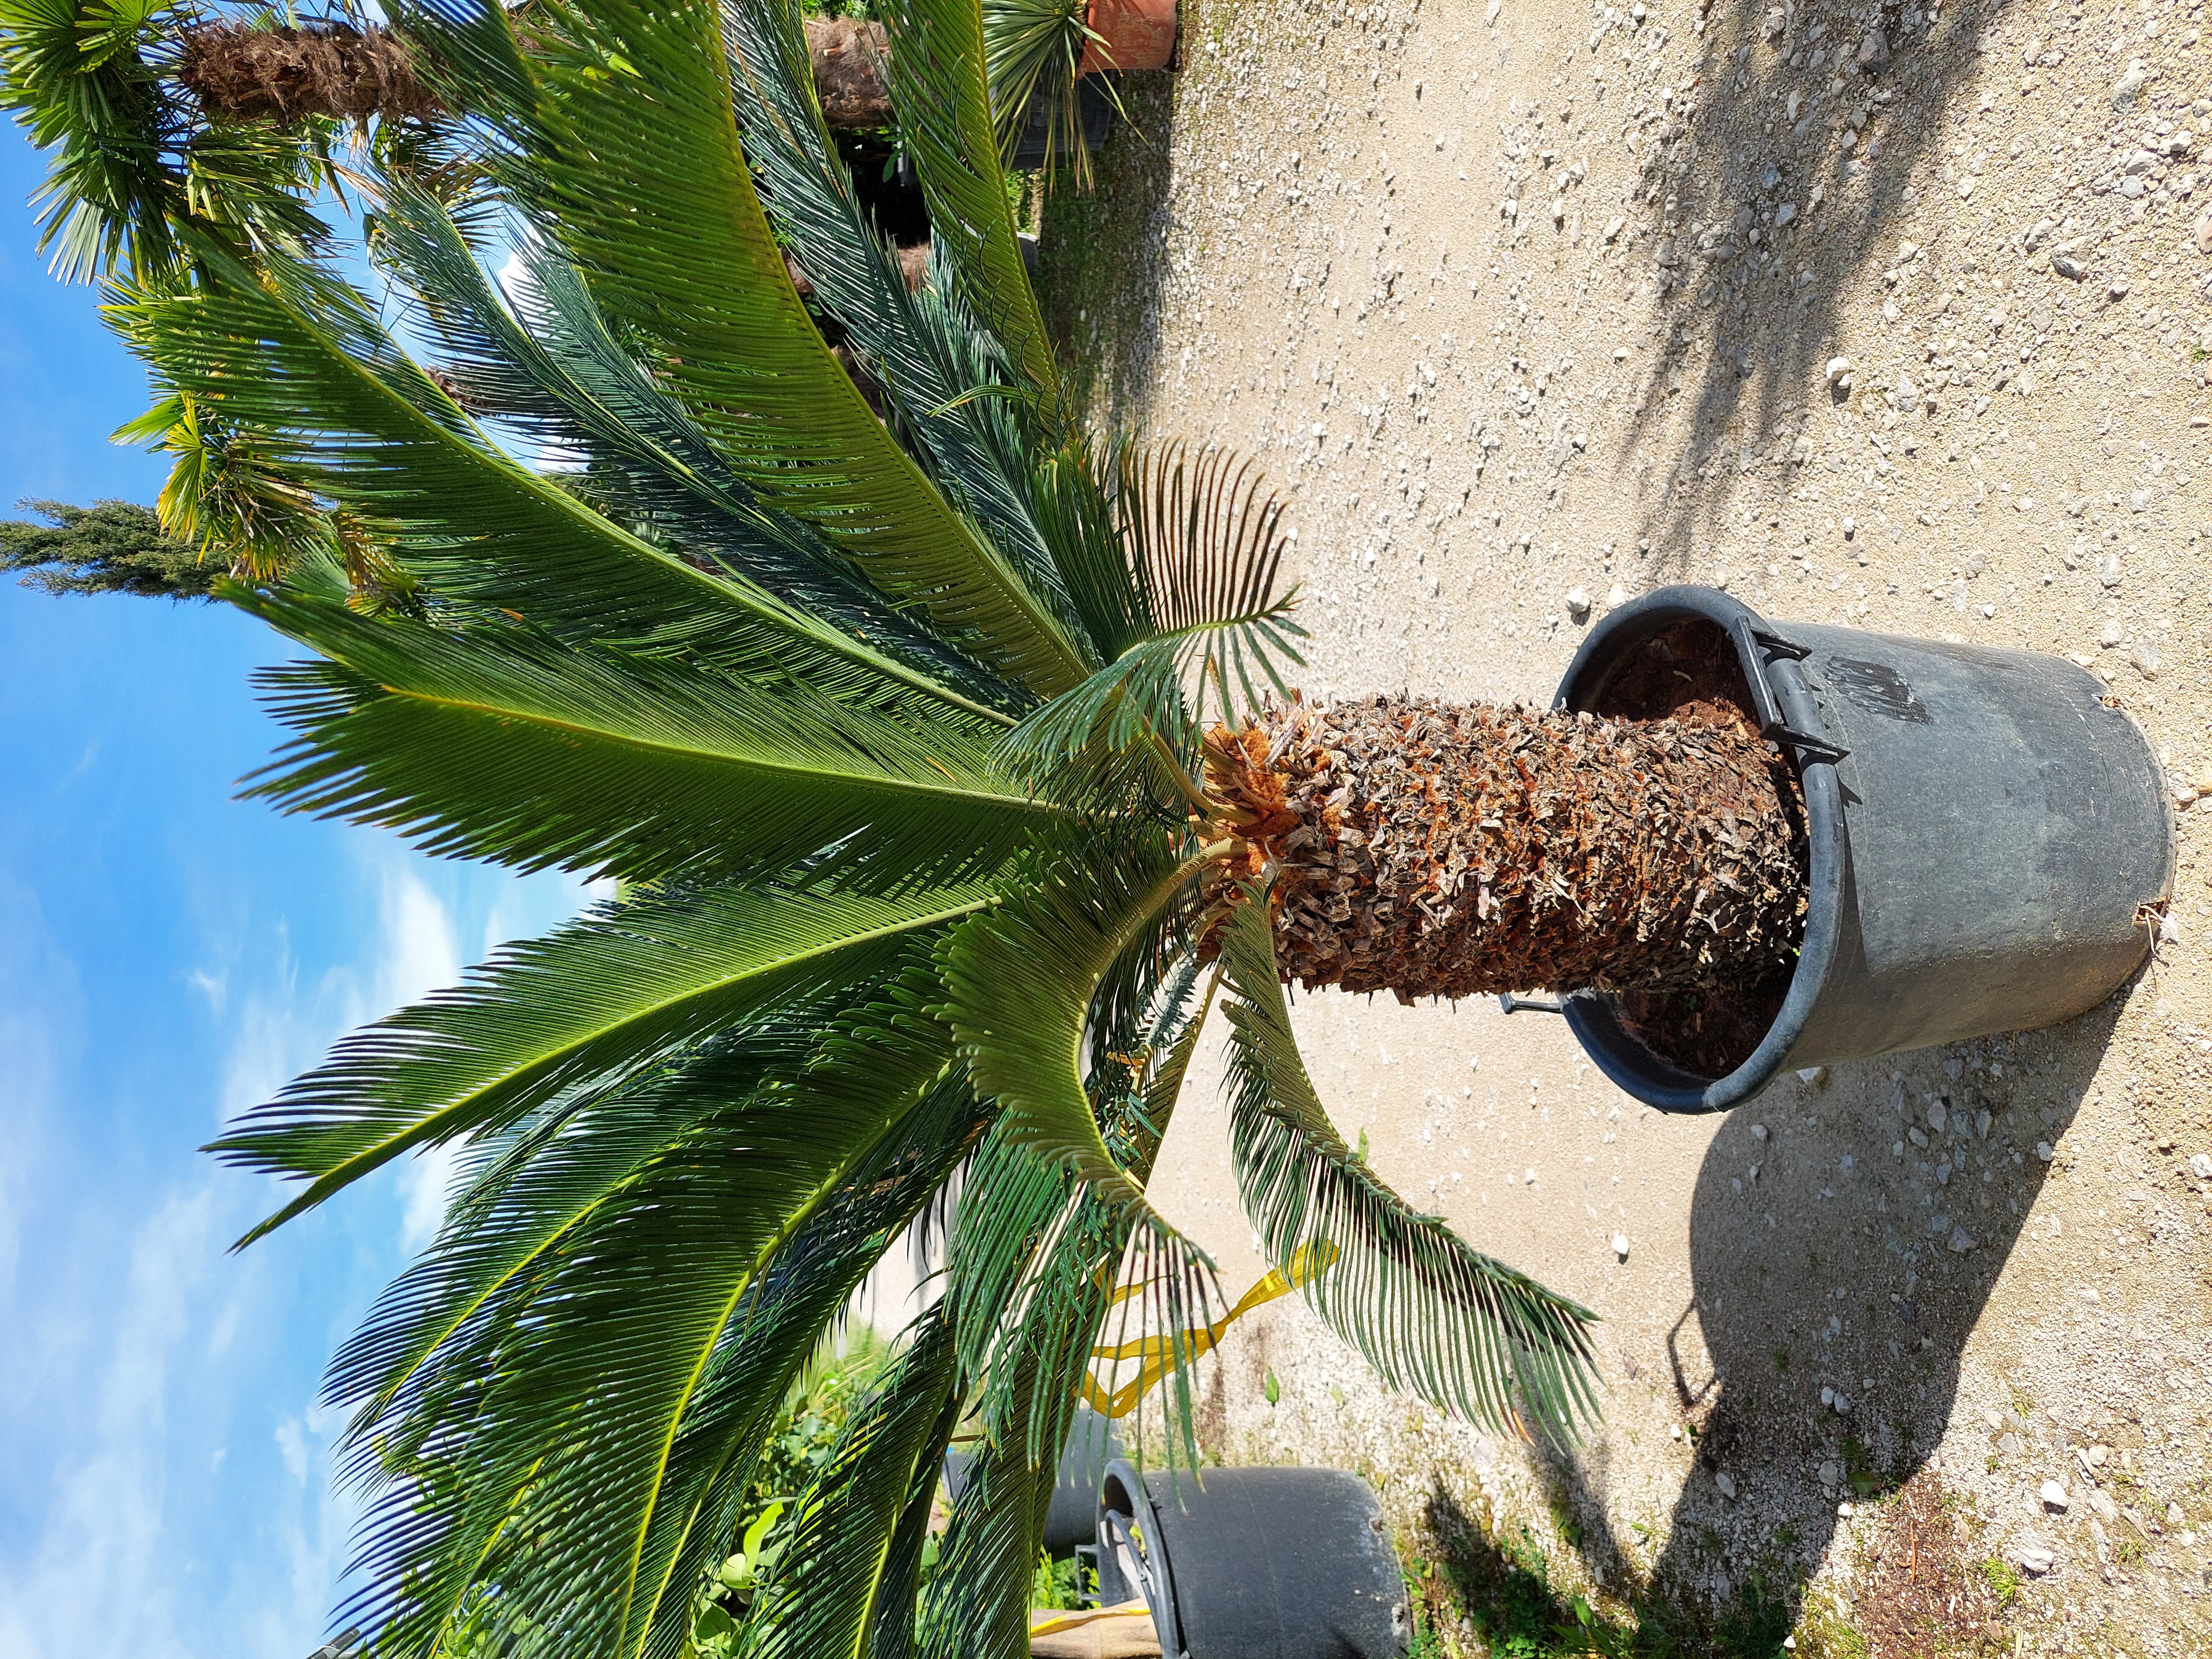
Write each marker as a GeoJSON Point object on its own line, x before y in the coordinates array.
{"type": "Point", "coordinates": [1850, 527]}
{"type": "Point", "coordinates": [2054, 1496]}
{"type": "Point", "coordinates": [1615, 597]}
{"type": "Point", "coordinates": [2111, 633]}
{"type": "Point", "coordinates": [1620, 1245]}
{"type": "Point", "coordinates": [1758, 1132]}
{"type": "Point", "coordinates": [1784, 214]}
{"type": "Point", "coordinates": [2200, 1165]}
{"type": "Point", "coordinates": [2034, 1556]}
{"type": "Point", "coordinates": [1842, 1402]}
{"type": "Point", "coordinates": [1939, 1117]}
{"type": "Point", "coordinates": [2131, 83]}
{"type": "Point", "coordinates": [2044, 1151]}
{"type": "Point", "coordinates": [1726, 1482]}
{"type": "Point", "coordinates": [1828, 1396]}
{"type": "Point", "coordinates": [1839, 369]}
{"type": "Point", "coordinates": [1613, 226]}
{"type": "Point", "coordinates": [2108, 572]}
{"type": "Point", "coordinates": [1578, 604]}
{"type": "Point", "coordinates": [1811, 1074]}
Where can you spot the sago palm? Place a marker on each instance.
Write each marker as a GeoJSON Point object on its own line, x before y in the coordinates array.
{"type": "Point", "coordinates": [894, 733]}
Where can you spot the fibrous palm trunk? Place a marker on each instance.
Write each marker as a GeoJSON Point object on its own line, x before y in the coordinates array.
{"type": "Point", "coordinates": [1428, 849]}
{"type": "Point", "coordinates": [283, 74]}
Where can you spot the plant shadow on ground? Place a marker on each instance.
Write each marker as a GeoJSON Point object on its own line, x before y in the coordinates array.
{"type": "Point", "coordinates": [1103, 256]}
{"type": "Point", "coordinates": [1834, 1204]}
{"type": "Point", "coordinates": [1748, 328]}
{"type": "Point", "coordinates": [1499, 1582]}
{"type": "Point", "coordinates": [1744, 1361]}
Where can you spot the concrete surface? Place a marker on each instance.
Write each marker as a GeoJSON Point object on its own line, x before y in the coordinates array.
{"type": "Point", "coordinates": [1474, 280]}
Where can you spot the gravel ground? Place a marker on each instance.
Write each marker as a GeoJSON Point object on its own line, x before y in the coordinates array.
{"type": "Point", "coordinates": [1880, 316]}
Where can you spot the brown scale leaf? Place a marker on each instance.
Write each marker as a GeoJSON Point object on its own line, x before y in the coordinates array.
{"type": "Point", "coordinates": [1432, 849]}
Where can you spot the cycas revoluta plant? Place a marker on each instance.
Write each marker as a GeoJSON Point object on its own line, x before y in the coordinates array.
{"type": "Point", "coordinates": [894, 733]}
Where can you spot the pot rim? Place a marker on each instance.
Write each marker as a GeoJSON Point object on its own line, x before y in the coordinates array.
{"type": "Point", "coordinates": [1593, 1016]}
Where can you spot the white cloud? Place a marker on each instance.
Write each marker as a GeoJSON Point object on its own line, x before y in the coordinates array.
{"type": "Point", "coordinates": [175, 1499]}
{"type": "Point", "coordinates": [105, 1571]}
{"type": "Point", "coordinates": [292, 1442]}
{"type": "Point", "coordinates": [423, 1186]}
{"type": "Point", "coordinates": [418, 954]}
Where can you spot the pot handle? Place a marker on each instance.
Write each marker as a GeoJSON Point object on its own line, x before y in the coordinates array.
{"type": "Point", "coordinates": [1513, 1003]}
{"type": "Point", "coordinates": [1754, 645]}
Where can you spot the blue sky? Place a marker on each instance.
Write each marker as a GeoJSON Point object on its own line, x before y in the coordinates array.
{"type": "Point", "coordinates": [169, 955]}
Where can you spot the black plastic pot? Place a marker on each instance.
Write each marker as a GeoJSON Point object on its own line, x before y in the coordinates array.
{"type": "Point", "coordinates": [1098, 119]}
{"type": "Point", "coordinates": [1986, 829]}
{"type": "Point", "coordinates": [1253, 1564]}
{"type": "Point", "coordinates": [1093, 1441]}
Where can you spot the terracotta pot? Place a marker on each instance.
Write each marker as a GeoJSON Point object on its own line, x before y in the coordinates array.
{"type": "Point", "coordinates": [1138, 34]}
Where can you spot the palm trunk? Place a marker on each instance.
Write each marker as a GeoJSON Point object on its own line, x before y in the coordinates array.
{"type": "Point", "coordinates": [1428, 849]}
{"type": "Point", "coordinates": [285, 74]}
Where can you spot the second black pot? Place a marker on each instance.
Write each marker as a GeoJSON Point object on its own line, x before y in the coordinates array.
{"type": "Point", "coordinates": [1254, 1563]}
{"type": "Point", "coordinates": [1991, 841]}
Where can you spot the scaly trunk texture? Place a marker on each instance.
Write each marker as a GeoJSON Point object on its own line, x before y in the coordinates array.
{"type": "Point", "coordinates": [284, 75]}
{"type": "Point", "coordinates": [849, 58]}
{"type": "Point", "coordinates": [1431, 849]}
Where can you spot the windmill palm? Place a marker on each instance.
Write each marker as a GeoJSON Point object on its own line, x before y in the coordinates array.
{"type": "Point", "coordinates": [893, 732]}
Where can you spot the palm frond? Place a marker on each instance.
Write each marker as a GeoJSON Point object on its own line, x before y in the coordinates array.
{"type": "Point", "coordinates": [1094, 1263]}
{"type": "Point", "coordinates": [624, 139]}
{"type": "Point", "coordinates": [1020, 983]}
{"type": "Point", "coordinates": [502, 744]}
{"type": "Point", "coordinates": [529, 1189]}
{"type": "Point", "coordinates": [597, 1003]}
{"type": "Point", "coordinates": [1036, 57]}
{"type": "Point", "coordinates": [940, 83]}
{"type": "Point", "coordinates": [133, 166]}
{"type": "Point", "coordinates": [580, 1438]}
{"type": "Point", "coordinates": [807, 1283]}
{"type": "Point", "coordinates": [1207, 547]}
{"type": "Point", "coordinates": [1171, 561]}
{"type": "Point", "coordinates": [924, 349]}
{"type": "Point", "coordinates": [831, 1579]}
{"type": "Point", "coordinates": [977, 1605]}
{"type": "Point", "coordinates": [542, 359]}
{"type": "Point", "coordinates": [303, 362]}
{"type": "Point", "coordinates": [1465, 1332]}
{"type": "Point", "coordinates": [892, 1632]}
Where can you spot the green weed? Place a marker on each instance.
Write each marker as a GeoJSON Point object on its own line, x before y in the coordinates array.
{"type": "Point", "coordinates": [2003, 1582]}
